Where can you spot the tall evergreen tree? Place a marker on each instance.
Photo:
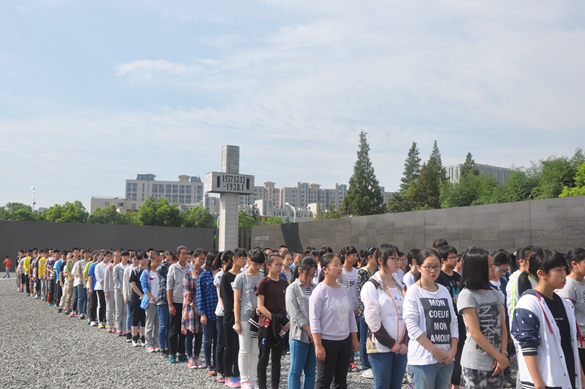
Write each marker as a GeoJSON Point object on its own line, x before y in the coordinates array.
{"type": "Point", "coordinates": [411, 168]}
{"type": "Point", "coordinates": [469, 167]}
{"type": "Point", "coordinates": [363, 196]}
{"type": "Point", "coordinates": [425, 192]}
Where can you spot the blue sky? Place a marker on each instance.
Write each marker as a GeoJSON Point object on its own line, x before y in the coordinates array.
{"type": "Point", "coordinates": [93, 93]}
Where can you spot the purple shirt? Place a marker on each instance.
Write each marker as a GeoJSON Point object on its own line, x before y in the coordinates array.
{"type": "Point", "coordinates": [331, 313]}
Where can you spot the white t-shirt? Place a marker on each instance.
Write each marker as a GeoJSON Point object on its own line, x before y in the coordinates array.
{"type": "Point", "coordinates": [217, 282]}
{"type": "Point", "coordinates": [400, 274]}
{"type": "Point", "coordinates": [100, 272]}
{"type": "Point", "coordinates": [352, 276]}
{"type": "Point", "coordinates": [408, 279]}
{"type": "Point", "coordinates": [432, 314]}
{"type": "Point", "coordinates": [79, 265]}
{"type": "Point", "coordinates": [154, 283]}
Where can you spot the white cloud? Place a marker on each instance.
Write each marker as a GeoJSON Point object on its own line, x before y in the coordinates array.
{"type": "Point", "coordinates": [144, 69]}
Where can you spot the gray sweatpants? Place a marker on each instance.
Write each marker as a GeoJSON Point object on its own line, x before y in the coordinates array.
{"type": "Point", "coordinates": [44, 289]}
{"type": "Point", "coordinates": [120, 308]}
{"type": "Point", "coordinates": [151, 334]}
{"type": "Point", "coordinates": [111, 309]}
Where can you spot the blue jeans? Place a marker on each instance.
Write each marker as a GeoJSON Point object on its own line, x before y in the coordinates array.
{"type": "Point", "coordinates": [363, 337]}
{"type": "Point", "coordinates": [209, 338]}
{"type": "Point", "coordinates": [128, 317]}
{"type": "Point", "coordinates": [388, 369]}
{"type": "Point", "coordinates": [163, 326]}
{"type": "Point", "coordinates": [302, 359]}
{"type": "Point", "coordinates": [436, 376]}
{"type": "Point", "coordinates": [81, 299]}
{"type": "Point", "coordinates": [189, 344]}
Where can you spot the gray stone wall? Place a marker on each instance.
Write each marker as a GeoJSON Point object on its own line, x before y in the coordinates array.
{"type": "Point", "coordinates": [16, 235]}
{"type": "Point", "coordinates": [554, 223]}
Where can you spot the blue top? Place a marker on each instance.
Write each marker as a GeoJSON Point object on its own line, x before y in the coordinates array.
{"type": "Point", "coordinates": [58, 268]}
{"type": "Point", "coordinates": [91, 272]}
{"type": "Point", "coordinates": [207, 295]}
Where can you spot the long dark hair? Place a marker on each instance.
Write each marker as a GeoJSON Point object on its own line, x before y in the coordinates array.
{"type": "Point", "coordinates": [541, 259]}
{"type": "Point", "coordinates": [305, 265]}
{"type": "Point", "coordinates": [325, 260]}
{"type": "Point", "coordinates": [575, 255]}
{"type": "Point", "coordinates": [385, 251]}
{"type": "Point", "coordinates": [476, 271]}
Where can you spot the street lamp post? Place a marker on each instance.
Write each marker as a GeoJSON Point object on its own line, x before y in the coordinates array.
{"type": "Point", "coordinates": [33, 190]}
{"type": "Point", "coordinates": [294, 212]}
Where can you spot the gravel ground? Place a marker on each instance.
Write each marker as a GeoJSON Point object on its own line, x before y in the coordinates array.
{"type": "Point", "coordinates": [41, 348]}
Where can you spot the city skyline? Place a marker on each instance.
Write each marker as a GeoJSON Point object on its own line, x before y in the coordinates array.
{"type": "Point", "coordinates": [93, 93]}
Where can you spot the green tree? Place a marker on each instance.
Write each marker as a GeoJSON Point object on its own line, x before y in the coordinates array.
{"type": "Point", "coordinates": [554, 174]}
{"type": "Point", "coordinates": [469, 167]}
{"type": "Point", "coordinates": [67, 213]}
{"type": "Point", "coordinates": [399, 203]}
{"type": "Point", "coordinates": [273, 221]}
{"type": "Point", "coordinates": [158, 213]}
{"type": "Point", "coordinates": [364, 196]}
{"type": "Point", "coordinates": [18, 211]}
{"type": "Point", "coordinates": [109, 215]}
{"type": "Point", "coordinates": [411, 168]}
{"type": "Point", "coordinates": [198, 217]}
{"type": "Point", "coordinates": [579, 189]}
{"type": "Point", "coordinates": [245, 221]}
{"type": "Point", "coordinates": [425, 192]}
{"type": "Point", "coordinates": [470, 190]}
{"type": "Point", "coordinates": [519, 186]}
{"type": "Point", "coordinates": [287, 220]}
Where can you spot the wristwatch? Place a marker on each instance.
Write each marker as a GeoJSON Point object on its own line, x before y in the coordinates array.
{"type": "Point", "coordinates": [505, 353]}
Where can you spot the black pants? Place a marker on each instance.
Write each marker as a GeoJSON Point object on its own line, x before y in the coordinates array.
{"type": "Point", "coordinates": [58, 292]}
{"type": "Point", "coordinates": [231, 351]}
{"type": "Point", "coordinates": [267, 343]}
{"type": "Point", "coordinates": [220, 345]}
{"type": "Point", "coordinates": [51, 297]}
{"type": "Point", "coordinates": [177, 339]}
{"type": "Point", "coordinates": [456, 375]}
{"type": "Point", "coordinates": [26, 284]}
{"type": "Point", "coordinates": [334, 367]}
{"type": "Point", "coordinates": [92, 306]}
{"type": "Point", "coordinates": [102, 309]}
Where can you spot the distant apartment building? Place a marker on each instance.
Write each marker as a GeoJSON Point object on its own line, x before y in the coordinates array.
{"type": "Point", "coordinates": [267, 200]}
{"type": "Point", "coordinates": [188, 193]}
{"type": "Point", "coordinates": [501, 174]}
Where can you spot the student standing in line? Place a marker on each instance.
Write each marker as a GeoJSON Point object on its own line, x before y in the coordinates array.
{"type": "Point", "coordinates": [79, 284]}
{"type": "Point", "coordinates": [109, 292]}
{"type": "Point", "coordinates": [118, 275]}
{"type": "Point", "coordinates": [383, 300]}
{"type": "Point", "coordinates": [574, 290]}
{"type": "Point", "coordinates": [450, 279]}
{"type": "Point", "coordinates": [190, 322]}
{"type": "Point", "coordinates": [287, 268]}
{"type": "Point", "coordinates": [100, 274]}
{"type": "Point", "coordinates": [485, 354]}
{"type": "Point", "coordinates": [245, 304]}
{"type": "Point", "coordinates": [349, 273]}
{"type": "Point", "coordinates": [522, 261]}
{"type": "Point", "coordinates": [150, 285]}
{"type": "Point", "coordinates": [175, 300]}
{"type": "Point", "coordinates": [219, 314]}
{"type": "Point", "coordinates": [91, 284]}
{"type": "Point", "coordinates": [363, 275]}
{"type": "Point", "coordinates": [273, 320]}
{"type": "Point", "coordinates": [333, 325]}
{"type": "Point", "coordinates": [162, 303]}
{"type": "Point", "coordinates": [127, 291]}
{"type": "Point", "coordinates": [136, 296]}
{"type": "Point", "coordinates": [207, 301]}
{"type": "Point", "coordinates": [232, 343]}
{"type": "Point", "coordinates": [411, 276]}
{"type": "Point", "coordinates": [302, 347]}
{"type": "Point", "coordinates": [431, 323]}
{"type": "Point", "coordinates": [545, 327]}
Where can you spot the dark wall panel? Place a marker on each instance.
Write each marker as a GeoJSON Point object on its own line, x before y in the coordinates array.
{"type": "Point", "coordinates": [16, 235]}
{"type": "Point", "coordinates": [554, 223]}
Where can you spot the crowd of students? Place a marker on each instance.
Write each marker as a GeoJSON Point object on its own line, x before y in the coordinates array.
{"type": "Point", "coordinates": [428, 317]}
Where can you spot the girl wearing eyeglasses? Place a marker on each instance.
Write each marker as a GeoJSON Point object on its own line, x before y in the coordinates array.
{"type": "Point", "coordinates": [431, 323]}
{"type": "Point", "coordinates": [302, 347]}
{"type": "Point", "coordinates": [383, 299]}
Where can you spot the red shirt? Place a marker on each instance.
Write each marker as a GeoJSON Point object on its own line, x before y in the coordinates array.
{"type": "Point", "coordinates": [7, 262]}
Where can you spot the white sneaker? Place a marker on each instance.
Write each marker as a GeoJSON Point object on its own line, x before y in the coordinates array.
{"type": "Point", "coordinates": [368, 373]}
